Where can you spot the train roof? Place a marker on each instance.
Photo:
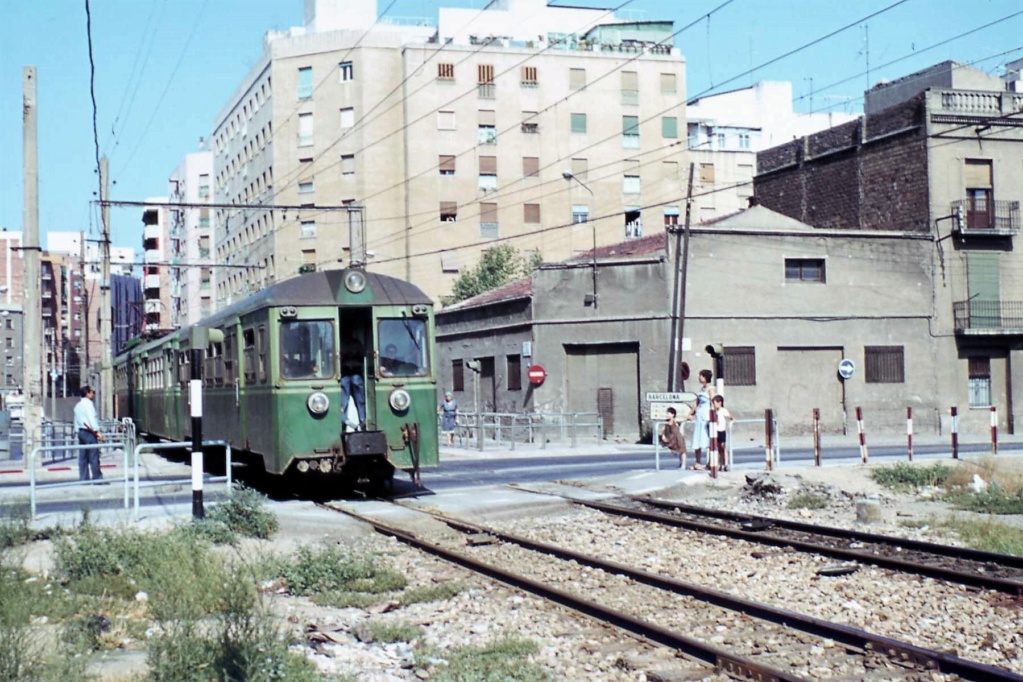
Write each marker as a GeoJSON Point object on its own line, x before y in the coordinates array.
{"type": "Point", "coordinates": [322, 288]}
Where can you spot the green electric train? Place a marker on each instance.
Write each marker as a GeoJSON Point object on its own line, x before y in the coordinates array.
{"type": "Point", "coordinates": [282, 384]}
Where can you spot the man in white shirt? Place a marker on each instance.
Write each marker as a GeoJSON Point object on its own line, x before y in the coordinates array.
{"type": "Point", "coordinates": [87, 428]}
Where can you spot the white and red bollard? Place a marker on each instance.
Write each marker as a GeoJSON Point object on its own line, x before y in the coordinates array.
{"type": "Point", "coordinates": [712, 453]}
{"type": "Point", "coordinates": [768, 439]}
{"type": "Point", "coordinates": [955, 432]}
{"type": "Point", "coordinates": [994, 430]}
{"type": "Point", "coordinates": [909, 433]}
{"type": "Point", "coordinates": [816, 436]}
{"type": "Point", "coordinates": [863, 436]}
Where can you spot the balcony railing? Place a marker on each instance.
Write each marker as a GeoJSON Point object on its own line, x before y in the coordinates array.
{"type": "Point", "coordinates": [988, 317]}
{"type": "Point", "coordinates": [985, 217]}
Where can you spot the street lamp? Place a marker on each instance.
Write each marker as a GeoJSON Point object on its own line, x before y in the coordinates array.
{"type": "Point", "coordinates": [568, 175]}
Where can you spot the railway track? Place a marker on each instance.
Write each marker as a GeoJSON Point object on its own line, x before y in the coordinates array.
{"type": "Point", "coordinates": [765, 642]}
{"type": "Point", "coordinates": [987, 570]}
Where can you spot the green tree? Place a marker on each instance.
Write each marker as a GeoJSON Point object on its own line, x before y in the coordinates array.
{"type": "Point", "coordinates": [497, 266]}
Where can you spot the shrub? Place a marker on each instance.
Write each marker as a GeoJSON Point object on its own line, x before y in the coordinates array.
{"type": "Point", "coordinates": [807, 500]}
{"type": "Point", "coordinates": [422, 595]}
{"type": "Point", "coordinates": [389, 633]}
{"type": "Point", "coordinates": [905, 476]}
{"type": "Point", "coordinates": [245, 513]}
{"type": "Point", "coordinates": [14, 528]}
{"type": "Point", "coordinates": [327, 569]}
{"type": "Point", "coordinates": [993, 500]}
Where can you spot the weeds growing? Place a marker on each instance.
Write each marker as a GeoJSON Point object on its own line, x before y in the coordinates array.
{"type": "Point", "coordinates": [989, 535]}
{"type": "Point", "coordinates": [391, 632]}
{"type": "Point", "coordinates": [809, 501]}
{"type": "Point", "coordinates": [905, 476]}
{"type": "Point", "coordinates": [503, 660]}
{"type": "Point", "coordinates": [423, 595]}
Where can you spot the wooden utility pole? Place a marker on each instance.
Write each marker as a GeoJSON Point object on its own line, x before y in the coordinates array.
{"type": "Point", "coordinates": [106, 377]}
{"type": "Point", "coordinates": [33, 318]}
{"type": "Point", "coordinates": [678, 304]}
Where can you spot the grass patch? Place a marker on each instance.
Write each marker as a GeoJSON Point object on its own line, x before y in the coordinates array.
{"type": "Point", "coordinates": [905, 476]}
{"type": "Point", "coordinates": [391, 632]}
{"type": "Point", "coordinates": [343, 599]}
{"type": "Point", "coordinates": [987, 534]}
{"type": "Point", "coordinates": [14, 528]}
{"type": "Point", "coordinates": [809, 501]}
{"type": "Point", "coordinates": [322, 570]}
{"type": "Point", "coordinates": [429, 593]}
{"type": "Point", "coordinates": [503, 660]}
{"type": "Point", "coordinates": [993, 500]}
{"type": "Point", "coordinates": [245, 513]}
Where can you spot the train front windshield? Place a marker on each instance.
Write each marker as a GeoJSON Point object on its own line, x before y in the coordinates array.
{"type": "Point", "coordinates": [307, 349]}
{"type": "Point", "coordinates": [404, 351]}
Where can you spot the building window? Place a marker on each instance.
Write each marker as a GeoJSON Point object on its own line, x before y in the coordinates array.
{"type": "Point", "coordinates": [633, 222]}
{"type": "Point", "coordinates": [305, 130]}
{"type": "Point", "coordinates": [531, 214]}
{"type": "Point", "coordinates": [630, 87]}
{"type": "Point", "coordinates": [308, 229]}
{"type": "Point", "coordinates": [305, 187]}
{"type": "Point", "coordinates": [489, 228]}
{"type": "Point", "coordinates": [514, 371]}
{"type": "Point", "coordinates": [347, 118]}
{"type": "Point", "coordinates": [485, 81]}
{"type": "Point", "coordinates": [669, 127]}
{"type": "Point", "coordinates": [580, 213]}
{"type": "Point", "coordinates": [446, 164]}
{"type": "Point", "coordinates": [707, 173]}
{"type": "Point", "coordinates": [487, 134]}
{"type": "Point", "coordinates": [457, 375]}
{"type": "Point", "coordinates": [804, 270]}
{"type": "Point", "coordinates": [530, 166]}
{"type": "Point", "coordinates": [9, 323]}
{"type": "Point", "coordinates": [448, 211]}
{"type": "Point", "coordinates": [530, 125]}
{"type": "Point", "coordinates": [576, 79]}
{"type": "Point", "coordinates": [488, 173]}
{"type": "Point", "coordinates": [668, 84]}
{"type": "Point", "coordinates": [739, 366]}
{"type": "Point", "coordinates": [528, 77]}
{"type": "Point", "coordinates": [744, 141]}
{"type": "Point", "coordinates": [204, 186]}
{"type": "Point", "coordinates": [347, 71]}
{"type": "Point", "coordinates": [305, 82]}
{"type": "Point", "coordinates": [671, 217]}
{"type": "Point", "coordinates": [631, 185]}
{"type": "Point", "coordinates": [979, 194]}
{"type": "Point", "coordinates": [630, 132]}
{"type": "Point", "coordinates": [578, 123]}
{"type": "Point", "coordinates": [446, 72]}
{"type": "Point", "coordinates": [445, 120]}
{"type": "Point", "coordinates": [980, 382]}
{"type": "Point", "coordinates": [580, 167]}
{"type": "Point", "coordinates": [884, 365]}
{"type": "Point", "coordinates": [347, 165]}
{"type": "Point", "coordinates": [721, 140]}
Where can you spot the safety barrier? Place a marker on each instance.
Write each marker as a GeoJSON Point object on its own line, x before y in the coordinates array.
{"type": "Point", "coordinates": [180, 445]}
{"type": "Point", "coordinates": [68, 484]}
{"type": "Point", "coordinates": [509, 428]}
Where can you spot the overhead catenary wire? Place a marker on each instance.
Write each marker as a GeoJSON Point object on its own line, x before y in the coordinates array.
{"type": "Point", "coordinates": [92, 95]}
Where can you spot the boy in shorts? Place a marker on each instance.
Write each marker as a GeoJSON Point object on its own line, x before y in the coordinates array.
{"type": "Point", "coordinates": [721, 427]}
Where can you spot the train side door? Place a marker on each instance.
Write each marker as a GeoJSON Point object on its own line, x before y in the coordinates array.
{"type": "Point", "coordinates": [357, 366]}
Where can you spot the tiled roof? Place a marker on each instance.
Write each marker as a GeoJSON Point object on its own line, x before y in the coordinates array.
{"type": "Point", "coordinates": [519, 288]}
{"type": "Point", "coordinates": [631, 247]}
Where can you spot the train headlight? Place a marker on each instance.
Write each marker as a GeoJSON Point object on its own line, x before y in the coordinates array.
{"type": "Point", "coordinates": [399, 400]}
{"type": "Point", "coordinates": [318, 403]}
{"type": "Point", "coordinates": [355, 281]}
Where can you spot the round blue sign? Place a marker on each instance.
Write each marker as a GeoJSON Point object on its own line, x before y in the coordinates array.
{"type": "Point", "coordinates": [846, 368]}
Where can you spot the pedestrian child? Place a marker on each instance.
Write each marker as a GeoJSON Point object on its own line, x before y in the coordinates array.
{"type": "Point", "coordinates": [723, 416]}
{"type": "Point", "coordinates": [671, 437]}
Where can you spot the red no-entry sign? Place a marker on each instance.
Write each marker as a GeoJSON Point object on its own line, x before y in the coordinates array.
{"type": "Point", "coordinates": [536, 375]}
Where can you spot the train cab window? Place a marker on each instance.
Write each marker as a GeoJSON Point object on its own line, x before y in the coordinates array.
{"type": "Point", "coordinates": [249, 342]}
{"type": "Point", "coordinates": [261, 352]}
{"type": "Point", "coordinates": [307, 349]}
{"type": "Point", "coordinates": [403, 348]}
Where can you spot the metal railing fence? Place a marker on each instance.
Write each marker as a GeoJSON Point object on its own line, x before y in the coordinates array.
{"type": "Point", "coordinates": [497, 429]}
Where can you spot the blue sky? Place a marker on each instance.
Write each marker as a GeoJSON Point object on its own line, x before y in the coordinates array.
{"type": "Point", "coordinates": [165, 67]}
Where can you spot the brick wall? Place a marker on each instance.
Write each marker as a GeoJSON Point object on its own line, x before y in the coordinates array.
{"type": "Point", "coordinates": [833, 180]}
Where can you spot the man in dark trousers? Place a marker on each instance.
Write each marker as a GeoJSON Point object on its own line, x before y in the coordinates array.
{"type": "Point", "coordinates": [353, 384]}
{"type": "Point", "coordinates": [87, 428]}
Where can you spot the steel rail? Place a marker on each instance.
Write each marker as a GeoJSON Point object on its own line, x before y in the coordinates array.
{"type": "Point", "coordinates": [1013, 587]}
{"type": "Point", "coordinates": [1003, 560]}
{"type": "Point", "coordinates": [724, 661]}
{"type": "Point", "coordinates": [901, 652]}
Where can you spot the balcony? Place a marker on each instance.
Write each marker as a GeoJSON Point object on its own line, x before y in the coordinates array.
{"type": "Point", "coordinates": [151, 232]}
{"type": "Point", "coordinates": [986, 218]}
{"type": "Point", "coordinates": [152, 282]}
{"type": "Point", "coordinates": [988, 318]}
{"type": "Point", "coordinates": [153, 306]}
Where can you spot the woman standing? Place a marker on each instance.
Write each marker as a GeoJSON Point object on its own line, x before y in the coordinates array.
{"type": "Point", "coordinates": [701, 417]}
{"type": "Point", "coordinates": [448, 412]}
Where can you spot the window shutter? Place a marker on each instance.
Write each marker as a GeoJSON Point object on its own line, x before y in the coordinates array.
{"type": "Point", "coordinates": [485, 74]}
{"type": "Point", "coordinates": [630, 80]}
{"type": "Point", "coordinates": [577, 79]}
{"type": "Point", "coordinates": [630, 125]}
{"type": "Point", "coordinates": [447, 162]}
{"type": "Point", "coordinates": [668, 86]}
{"type": "Point", "coordinates": [978, 173]}
{"type": "Point", "coordinates": [488, 165]}
{"type": "Point", "coordinates": [579, 168]}
{"type": "Point", "coordinates": [530, 166]}
{"type": "Point", "coordinates": [488, 213]}
{"type": "Point", "coordinates": [487, 117]}
{"type": "Point", "coordinates": [448, 209]}
{"type": "Point", "coordinates": [531, 213]}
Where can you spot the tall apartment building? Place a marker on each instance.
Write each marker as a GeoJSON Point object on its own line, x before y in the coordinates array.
{"type": "Point", "coordinates": [190, 235]}
{"type": "Point", "coordinates": [12, 287]}
{"type": "Point", "coordinates": [546, 127]}
{"type": "Point", "coordinates": [726, 130]}
{"type": "Point", "coordinates": [156, 277]}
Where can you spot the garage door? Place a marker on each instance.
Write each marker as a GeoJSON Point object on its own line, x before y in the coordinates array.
{"type": "Point", "coordinates": [604, 378]}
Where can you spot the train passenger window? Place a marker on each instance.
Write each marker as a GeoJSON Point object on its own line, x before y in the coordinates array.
{"type": "Point", "coordinates": [229, 357]}
{"type": "Point", "coordinates": [261, 351]}
{"type": "Point", "coordinates": [307, 349]}
{"type": "Point", "coordinates": [249, 341]}
{"type": "Point", "coordinates": [403, 348]}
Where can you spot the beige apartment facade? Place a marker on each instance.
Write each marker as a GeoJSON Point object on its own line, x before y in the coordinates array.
{"type": "Point", "coordinates": [449, 147]}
